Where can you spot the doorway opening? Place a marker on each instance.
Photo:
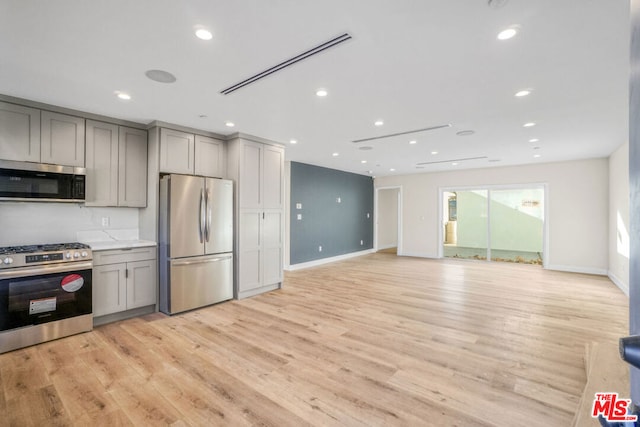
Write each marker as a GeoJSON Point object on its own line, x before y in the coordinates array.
{"type": "Point", "coordinates": [388, 229]}
{"type": "Point", "coordinates": [504, 224]}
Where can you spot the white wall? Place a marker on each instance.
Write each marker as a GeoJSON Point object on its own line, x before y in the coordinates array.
{"type": "Point", "coordinates": [26, 223]}
{"type": "Point", "coordinates": [619, 217]}
{"type": "Point", "coordinates": [387, 219]}
{"type": "Point", "coordinates": [578, 207]}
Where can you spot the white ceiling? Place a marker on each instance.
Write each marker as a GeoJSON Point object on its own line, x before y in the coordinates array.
{"type": "Point", "coordinates": [412, 63]}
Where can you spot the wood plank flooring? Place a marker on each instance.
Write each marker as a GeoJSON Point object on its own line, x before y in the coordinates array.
{"type": "Point", "coordinates": [375, 340]}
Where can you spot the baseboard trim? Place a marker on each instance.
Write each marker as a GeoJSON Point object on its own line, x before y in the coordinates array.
{"type": "Point", "coordinates": [624, 287]}
{"type": "Point", "coordinates": [574, 269]}
{"type": "Point", "coordinates": [383, 247]}
{"type": "Point", "coordinates": [329, 260]}
{"type": "Point", "coordinates": [417, 255]}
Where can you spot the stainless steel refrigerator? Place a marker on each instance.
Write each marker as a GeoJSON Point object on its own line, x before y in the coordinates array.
{"type": "Point", "coordinates": [196, 242]}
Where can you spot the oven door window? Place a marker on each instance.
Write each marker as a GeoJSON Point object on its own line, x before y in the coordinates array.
{"type": "Point", "coordinates": [38, 299]}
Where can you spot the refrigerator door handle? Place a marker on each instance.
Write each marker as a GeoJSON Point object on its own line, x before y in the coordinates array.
{"type": "Point", "coordinates": [207, 227]}
{"type": "Point", "coordinates": [201, 217]}
{"type": "Point", "coordinates": [199, 261]}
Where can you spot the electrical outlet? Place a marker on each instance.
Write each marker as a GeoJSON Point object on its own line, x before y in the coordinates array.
{"type": "Point", "coordinates": [338, 200]}
{"type": "Point", "coordinates": [368, 215]}
{"type": "Point", "coordinates": [319, 248]}
{"type": "Point", "coordinates": [105, 221]}
{"type": "Point", "coordinates": [299, 217]}
{"type": "Point", "coordinates": [361, 242]}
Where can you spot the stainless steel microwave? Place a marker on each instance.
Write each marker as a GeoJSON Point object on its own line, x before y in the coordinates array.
{"type": "Point", "coordinates": [38, 182]}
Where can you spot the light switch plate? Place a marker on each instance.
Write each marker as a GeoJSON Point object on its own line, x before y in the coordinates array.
{"type": "Point", "coordinates": [298, 205]}
{"type": "Point", "coordinates": [299, 217]}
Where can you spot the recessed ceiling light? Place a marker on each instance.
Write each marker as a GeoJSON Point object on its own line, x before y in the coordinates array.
{"type": "Point", "coordinates": [522, 93]}
{"type": "Point", "coordinates": [229, 124]}
{"type": "Point", "coordinates": [454, 164]}
{"type": "Point", "coordinates": [122, 95]}
{"type": "Point", "coordinates": [434, 152]}
{"type": "Point", "coordinates": [335, 154]}
{"type": "Point", "coordinates": [322, 92]}
{"type": "Point", "coordinates": [507, 34]}
{"type": "Point", "coordinates": [378, 123]}
{"type": "Point", "coordinates": [293, 141]}
{"type": "Point", "coordinates": [160, 76]}
{"type": "Point", "coordinates": [413, 141]}
{"type": "Point", "coordinates": [204, 34]}
{"type": "Point", "coordinates": [465, 132]}
{"type": "Point", "coordinates": [534, 140]}
{"type": "Point", "coordinates": [392, 170]}
{"type": "Point", "coordinates": [529, 125]}
{"type": "Point", "coordinates": [363, 161]}
{"type": "Point", "coordinates": [537, 155]}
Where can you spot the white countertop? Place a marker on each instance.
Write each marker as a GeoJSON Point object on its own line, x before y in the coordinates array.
{"type": "Point", "coordinates": [119, 244]}
{"type": "Point", "coordinates": [103, 240]}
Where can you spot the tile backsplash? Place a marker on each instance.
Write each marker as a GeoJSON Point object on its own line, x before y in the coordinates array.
{"type": "Point", "coordinates": [28, 223]}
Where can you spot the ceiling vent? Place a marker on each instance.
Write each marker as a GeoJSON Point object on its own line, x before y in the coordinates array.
{"type": "Point", "coordinates": [402, 133]}
{"type": "Point", "coordinates": [284, 64]}
{"type": "Point", "coordinates": [452, 160]}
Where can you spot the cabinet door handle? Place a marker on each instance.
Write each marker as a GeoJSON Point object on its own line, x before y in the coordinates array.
{"type": "Point", "coordinates": [126, 273]}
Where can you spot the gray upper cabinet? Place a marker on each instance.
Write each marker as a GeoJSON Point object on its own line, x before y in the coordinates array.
{"type": "Point", "coordinates": [272, 178]}
{"type": "Point", "coordinates": [210, 157]}
{"type": "Point", "coordinates": [19, 133]}
{"type": "Point", "coordinates": [251, 169]}
{"type": "Point", "coordinates": [61, 139]}
{"type": "Point", "coordinates": [132, 168]}
{"type": "Point", "coordinates": [176, 151]}
{"type": "Point", "coordinates": [102, 164]}
{"type": "Point", "coordinates": [116, 165]}
{"type": "Point", "coordinates": [190, 154]}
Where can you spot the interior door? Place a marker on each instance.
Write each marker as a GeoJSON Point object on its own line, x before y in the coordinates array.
{"type": "Point", "coordinates": [186, 205]}
{"type": "Point", "coordinates": [219, 236]}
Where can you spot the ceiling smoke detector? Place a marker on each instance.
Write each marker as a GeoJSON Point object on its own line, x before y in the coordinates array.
{"type": "Point", "coordinates": [160, 76]}
{"type": "Point", "coordinates": [365, 148]}
{"type": "Point", "coordinates": [496, 4]}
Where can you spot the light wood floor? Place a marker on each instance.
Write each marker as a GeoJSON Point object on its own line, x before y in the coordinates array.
{"type": "Point", "coordinates": [376, 340]}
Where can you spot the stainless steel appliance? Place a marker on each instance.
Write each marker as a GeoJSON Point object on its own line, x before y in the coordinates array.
{"type": "Point", "coordinates": [38, 182]}
{"type": "Point", "coordinates": [196, 242]}
{"type": "Point", "coordinates": [45, 293]}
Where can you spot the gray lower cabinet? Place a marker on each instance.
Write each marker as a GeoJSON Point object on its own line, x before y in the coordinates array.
{"type": "Point", "coordinates": [124, 280]}
{"type": "Point", "coordinates": [116, 165]}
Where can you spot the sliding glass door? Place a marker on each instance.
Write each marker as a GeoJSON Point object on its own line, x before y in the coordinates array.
{"type": "Point", "coordinates": [498, 224]}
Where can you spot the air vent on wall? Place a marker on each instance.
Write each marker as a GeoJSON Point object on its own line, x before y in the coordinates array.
{"type": "Point", "coordinates": [402, 133]}
{"type": "Point", "coordinates": [284, 64]}
{"type": "Point", "coordinates": [452, 160]}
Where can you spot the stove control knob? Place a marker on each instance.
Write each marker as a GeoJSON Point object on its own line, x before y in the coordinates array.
{"type": "Point", "coordinates": [84, 254]}
{"type": "Point", "coordinates": [8, 260]}
{"type": "Point", "coordinates": [76, 255]}
{"type": "Point", "coordinates": [67, 255]}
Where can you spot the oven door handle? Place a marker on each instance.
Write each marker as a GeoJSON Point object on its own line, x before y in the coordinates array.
{"type": "Point", "coordinates": [40, 270]}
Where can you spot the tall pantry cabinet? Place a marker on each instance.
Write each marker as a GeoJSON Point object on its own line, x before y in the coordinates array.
{"type": "Point", "coordinates": [257, 167]}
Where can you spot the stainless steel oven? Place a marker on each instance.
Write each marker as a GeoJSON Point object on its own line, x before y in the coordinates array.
{"type": "Point", "coordinates": [45, 293]}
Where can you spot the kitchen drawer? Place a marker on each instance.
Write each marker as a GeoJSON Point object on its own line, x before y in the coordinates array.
{"type": "Point", "coordinates": [123, 255]}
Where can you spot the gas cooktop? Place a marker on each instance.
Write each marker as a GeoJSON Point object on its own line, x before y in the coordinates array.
{"type": "Point", "coordinates": [20, 256]}
{"type": "Point", "coordinates": [42, 248]}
